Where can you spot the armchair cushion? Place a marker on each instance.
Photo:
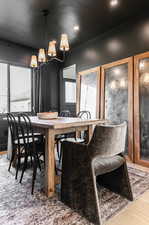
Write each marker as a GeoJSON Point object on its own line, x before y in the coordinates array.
{"type": "Point", "coordinates": [78, 140]}
{"type": "Point", "coordinates": [108, 164]}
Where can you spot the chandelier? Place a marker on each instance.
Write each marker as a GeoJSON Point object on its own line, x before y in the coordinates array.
{"type": "Point", "coordinates": [50, 54]}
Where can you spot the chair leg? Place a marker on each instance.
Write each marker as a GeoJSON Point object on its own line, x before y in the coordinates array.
{"type": "Point", "coordinates": [44, 158]}
{"type": "Point", "coordinates": [31, 160]}
{"type": "Point", "coordinates": [18, 162]}
{"type": "Point", "coordinates": [17, 168]}
{"type": "Point", "coordinates": [12, 158]}
{"type": "Point", "coordinates": [38, 160]}
{"type": "Point", "coordinates": [127, 191]}
{"type": "Point", "coordinates": [34, 176]}
{"type": "Point", "coordinates": [24, 167]}
{"type": "Point", "coordinates": [59, 157]}
{"type": "Point", "coordinates": [56, 170]}
{"type": "Point", "coordinates": [61, 153]}
{"type": "Point", "coordinates": [57, 148]}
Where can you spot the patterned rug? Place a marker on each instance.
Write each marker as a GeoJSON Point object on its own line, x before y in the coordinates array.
{"type": "Point", "coordinates": [19, 207]}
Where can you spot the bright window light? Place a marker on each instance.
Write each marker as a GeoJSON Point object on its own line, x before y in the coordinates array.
{"type": "Point", "coordinates": [70, 92]}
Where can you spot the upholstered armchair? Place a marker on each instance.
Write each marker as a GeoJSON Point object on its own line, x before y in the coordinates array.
{"type": "Point", "coordinates": [101, 161]}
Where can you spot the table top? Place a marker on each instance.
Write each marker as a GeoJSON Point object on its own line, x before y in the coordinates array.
{"type": "Point", "coordinates": [63, 122]}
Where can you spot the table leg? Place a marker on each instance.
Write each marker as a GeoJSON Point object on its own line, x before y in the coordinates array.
{"type": "Point", "coordinates": [50, 163]}
{"type": "Point", "coordinates": [90, 132]}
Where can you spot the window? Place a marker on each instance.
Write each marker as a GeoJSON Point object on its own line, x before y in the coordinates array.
{"type": "Point", "coordinates": [15, 88]}
{"type": "Point", "coordinates": [70, 92]}
{"type": "Point", "coordinates": [3, 88]}
{"type": "Point", "coordinates": [69, 77]}
{"type": "Point", "coordinates": [20, 89]}
{"type": "Point", "coordinates": [70, 72]}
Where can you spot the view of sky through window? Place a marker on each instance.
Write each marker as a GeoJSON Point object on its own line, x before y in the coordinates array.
{"type": "Point", "coordinates": [20, 89]}
{"type": "Point", "coordinates": [70, 92]}
{"type": "Point", "coordinates": [3, 88]}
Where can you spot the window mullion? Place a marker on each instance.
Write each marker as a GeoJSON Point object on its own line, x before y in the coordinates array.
{"type": "Point", "coordinates": [8, 87]}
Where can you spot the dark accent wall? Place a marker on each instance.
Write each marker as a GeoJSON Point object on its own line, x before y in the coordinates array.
{"type": "Point", "coordinates": [17, 55]}
{"type": "Point", "coordinates": [50, 87]}
{"type": "Point", "coordinates": [126, 40]}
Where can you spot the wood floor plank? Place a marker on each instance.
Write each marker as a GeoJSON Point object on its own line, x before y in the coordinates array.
{"type": "Point", "coordinates": [3, 152]}
{"type": "Point", "coordinates": [137, 213]}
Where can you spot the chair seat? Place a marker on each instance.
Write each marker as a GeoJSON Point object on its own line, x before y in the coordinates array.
{"type": "Point", "coordinates": [35, 135]}
{"type": "Point", "coordinates": [78, 140]}
{"type": "Point", "coordinates": [22, 141]}
{"type": "Point", "coordinates": [60, 137]}
{"type": "Point", "coordinates": [106, 165]}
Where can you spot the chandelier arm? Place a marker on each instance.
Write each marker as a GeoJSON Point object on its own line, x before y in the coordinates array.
{"type": "Point", "coordinates": [57, 59]}
{"type": "Point", "coordinates": [40, 64]}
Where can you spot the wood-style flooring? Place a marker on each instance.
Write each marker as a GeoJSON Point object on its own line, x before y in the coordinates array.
{"type": "Point", "coordinates": [136, 213]}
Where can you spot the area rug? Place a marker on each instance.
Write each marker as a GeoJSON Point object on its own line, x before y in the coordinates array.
{"type": "Point", "coordinates": [19, 207]}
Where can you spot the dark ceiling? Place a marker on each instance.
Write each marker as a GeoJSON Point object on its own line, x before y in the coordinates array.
{"type": "Point", "coordinates": [21, 21]}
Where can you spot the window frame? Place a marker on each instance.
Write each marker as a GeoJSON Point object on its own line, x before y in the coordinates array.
{"type": "Point", "coordinates": [8, 87]}
{"type": "Point", "coordinates": [63, 103]}
{"type": "Point", "coordinates": [72, 81]}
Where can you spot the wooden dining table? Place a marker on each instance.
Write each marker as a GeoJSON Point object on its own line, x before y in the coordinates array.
{"type": "Point", "coordinates": [51, 128]}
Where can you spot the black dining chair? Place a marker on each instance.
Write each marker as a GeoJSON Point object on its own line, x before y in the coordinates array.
{"type": "Point", "coordinates": [34, 148]}
{"type": "Point", "coordinates": [84, 114]}
{"type": "Point", "coordinates": [64, 113]}
{"type": "Point", "coordinates": [17, 150]}
{"type": "Point", "coordinates": [83, 135]}
{"type": "Point", "coordinates": [18, 132]}
{"type": "Point", "coordinates": [100, 162]}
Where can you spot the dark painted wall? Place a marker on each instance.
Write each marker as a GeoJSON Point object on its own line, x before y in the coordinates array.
{"type": "Point", "coordinates": [126, 40]}
{"type": "Point", "coordinates": [50, 87]}
{"type": "Point", "coordinates": [18, 55]}
{"type": "Point", "coordinates": [15, 54]}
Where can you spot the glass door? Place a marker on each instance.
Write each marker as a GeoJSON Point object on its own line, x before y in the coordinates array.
{"type": "Point", "coordinates": [88, 91]}
{"type": "Point", "coordinates": [141, 108]}
{"type": "Point", "coordinates": [117, 96]}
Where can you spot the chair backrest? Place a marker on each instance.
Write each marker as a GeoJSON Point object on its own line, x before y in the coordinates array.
{"type": "Point", "coordinates": [13, 126]}
{"type": "Point", "coordinates": [65, 113]}
{"type": "Point", "coordinates": [84, 114]}
{"type": "Point", "coordinates": [108, 140]}
{"type": "Point", "coordinates": [26, 129]}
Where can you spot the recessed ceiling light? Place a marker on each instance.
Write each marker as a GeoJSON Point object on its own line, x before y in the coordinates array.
{"type": "Point", "coordinates": [76, 28]}
{"type": "Point", "coordinates": [113, 3]}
